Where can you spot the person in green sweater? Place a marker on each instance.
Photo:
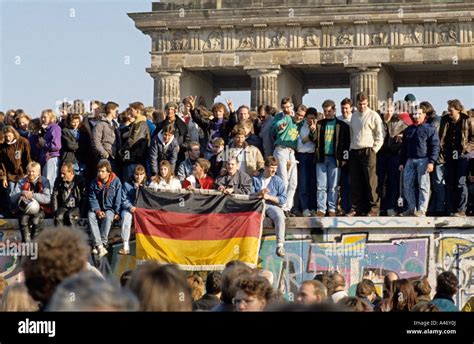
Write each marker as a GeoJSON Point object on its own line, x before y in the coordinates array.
{"type": "Point", "coordinates": [285, 128]}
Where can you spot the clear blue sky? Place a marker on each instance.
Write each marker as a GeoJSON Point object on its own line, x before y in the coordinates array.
{"type": "Point", "coordinates": [89, 49]}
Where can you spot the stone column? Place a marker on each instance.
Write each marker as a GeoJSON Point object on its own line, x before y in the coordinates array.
{"type": "Point", "coordinates": [166, 88]}
{"type": "Point", "coordinates": [264, 86]}
{"type": "Point", "coordinates": [365, 79]}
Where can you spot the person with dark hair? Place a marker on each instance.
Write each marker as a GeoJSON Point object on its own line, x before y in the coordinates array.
{"type": "Point", "coordinates": [285, 127]}
{"type": "Point", "coordinates": [160, 288]}
{"type": "Point", "coordinates": [253, 293]}
{"type": "Point", "coordinates": [14, 158]}
{"type": "Point", "coordinates": [271, 188]}
{"type": "Point", "coordinates": [215, 126]}
{"type": "Point", "coordinates": [165, 179]}
{"type": "Point", "coordinates": [199, 179]}
{"type": "Point", "coordinates": [367, 291]}
{"type": "Point", "coordinates": [213, 293]}
{"type": "Point", "coordinates": [446, 287]}
{"type": "Point", "coordinates": [265, 120]}
{"type": "Point", "coordinates": [306, 166]}
{"type": "Point", "coordinates": [61, 253]}
{"type": "Point", "coordinates": [423, 291]}
{"type": "Point", "coordinates": [75, 144]}
{"type": "Point", "coordinates": [234, 181]}
{"type": "Point", "coordinates": [404, 297]}
{"type": "Point", "coordinates": [366, 140]}
{"type": "Point", "coordinates": [185, 169]}
{"type": "Point", "coordinates": [388, 161]}
{"type": "Point", "coordinates": [69, 197]}
{"type": "Point", "coordinates": [418, 154]}
{"type": "Point", "coordinates": [134, 149]}
{"type": "Point", "coordinates": [249, 156]}
{"type": "Point", "coordinates": [332, 141]}
{"type": "Point", "coordinates": [456, 135]}
{"type": "Point", "coordinates": [129, 196]}
{"type": "Point", "coordinates": [105, 198]}
{"type": "Point", "coordinates": [164, 146]}
{"type": "Point", "coordinates": [181, 132]}
{"type": "Point", "coordinates": [106, 136]}
{"type": "Point", "coordinates": [356, 304]}
{"type": "Point", "coordinates": [232, 271]}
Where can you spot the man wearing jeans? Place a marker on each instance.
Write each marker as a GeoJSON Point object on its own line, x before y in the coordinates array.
{"type": "Point", "coordinates": [271, 188]}
{"type": "Point", "coordinates": [105, 197]}
{"type": "Point", "coordinates": [332, 139]}
{"type": "Point", "coordinates": [419, 152]}
{"type": "Point", "coordinates": [286, 129]}
{"type": "Point", "coordinates": [456, 135]}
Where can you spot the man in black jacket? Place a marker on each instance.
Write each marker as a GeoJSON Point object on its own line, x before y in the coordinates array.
{"type": "Point", "coordinates": [68, 198]}
{"type": "Point", "coordinates": [180, 129]}
{"type": "Point", "coordinates": [213, 293]}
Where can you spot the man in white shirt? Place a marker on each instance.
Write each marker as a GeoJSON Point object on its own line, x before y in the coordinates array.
{"type": "Point", "coordinates": [366, 140]}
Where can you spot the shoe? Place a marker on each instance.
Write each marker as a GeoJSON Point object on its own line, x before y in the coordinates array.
{"type": "Point", "coordinates": [332, 213]}
{"type": "Point", "coordinates": [102, 251]}
{"type": "Point", "coordinates": [124, 252]}
{"type": "Point", "coordinates": [420, 213]}
{"type": "Point", "coordinates": [351, 213]}
{"type": "Point", "coordinates": [408, 213]}
{"type": "Point", "coordinates": [341, 213]}
{"type": "Point", "coordinates": [95, 251]}
{"type": "Point", "coordinates": [280, 251]}
{"type": "Point", "coordinates": [306, 213]}
{"type": "Point", "coordinates": [460, 214]}
{"type": "Point", "coordinates": [391, 212]}
{"type": "Point", "coordinates": [289, 214]}
{"type": "Point", "coordinates": [320, 213]}
{"type": "Point", "coordinates": [373, 213]}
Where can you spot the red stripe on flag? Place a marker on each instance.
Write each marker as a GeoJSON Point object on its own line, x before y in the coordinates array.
{"type": "Point", "coordinates": [213, 226]}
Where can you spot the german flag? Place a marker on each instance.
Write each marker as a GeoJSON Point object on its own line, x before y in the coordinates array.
{"type": "Point", "coordinates": [197, 231]}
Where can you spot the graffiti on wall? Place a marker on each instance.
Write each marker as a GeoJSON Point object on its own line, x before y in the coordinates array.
{"type": "Point", "coordinates": [363, 255]}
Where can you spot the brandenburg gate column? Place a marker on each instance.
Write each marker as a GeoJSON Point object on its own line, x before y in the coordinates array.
{"type": "Point", "coordinates": [365, 79]}
{"type": "Point", "coordinates": [166, 88]}
{"type": "Point", "coordinates": [264, 86]}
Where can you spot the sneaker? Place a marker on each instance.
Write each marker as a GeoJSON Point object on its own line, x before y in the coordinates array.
{"type": "Point", "coordinates": [420, 213]}
{"type": "Point", "coordinates": [460, 214]}
{"type": "Point", "coordinates": [332, 213]}
{"type": "Point", "coordinates": [280, 251]}
{"type": "Point", "coordinates": [124, 252]}
{"type": "Point", "coordinates": [373, 213]}
{"type": "Point", "coordinates": [320, 213]}
{"type": "Point", "coordinates": [306, 213]}
{"type": "Point", "coordinates": [391, 212]}
{"type": "Point", "coordinates": [102, 251]}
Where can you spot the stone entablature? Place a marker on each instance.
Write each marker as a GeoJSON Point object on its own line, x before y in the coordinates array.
{"type": "Point", "coordinates": [294, 36]}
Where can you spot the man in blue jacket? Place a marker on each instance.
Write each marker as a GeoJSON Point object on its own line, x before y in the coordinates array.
{"type": "Point", "coordinates": [105, 196]}
{"type": "Point", "coordinates": [271, 188]}
{"type": "Point", "coordinates": [419, 153]}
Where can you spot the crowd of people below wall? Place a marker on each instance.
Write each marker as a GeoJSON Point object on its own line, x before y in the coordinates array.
{"type": "Point", "coordinates": [61, 269]}
{"type": "Point", "coordinates": [401, 160]}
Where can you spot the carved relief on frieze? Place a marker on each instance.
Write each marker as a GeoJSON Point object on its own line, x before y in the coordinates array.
{"type": "Point", "coordinates": [344, 36]}
{"type": "Point", "coordinates": [448, 33]}
{"type": "Point", "coordinates": [414, 34]}
{"type": "Point", "coordinates": [247, 40]}
{"type": "Point", "coordinates": [378, 36]}
{"type": "Point", "coordinates": [179, 40]}
{"type": "Point", "coordinates": [278, 39]}
{"type": "Point", "coordinates": [311, 38]}
{"type": "Point", "coordinates": [213, 41]}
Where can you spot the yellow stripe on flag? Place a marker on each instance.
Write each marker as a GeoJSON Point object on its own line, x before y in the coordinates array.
{"type": "Point", "coordinates": [197, 254]}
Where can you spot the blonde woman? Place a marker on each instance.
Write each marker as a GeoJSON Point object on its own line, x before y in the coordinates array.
{"type": "Point", "coordinates": [49, 145]}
